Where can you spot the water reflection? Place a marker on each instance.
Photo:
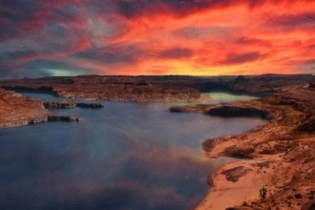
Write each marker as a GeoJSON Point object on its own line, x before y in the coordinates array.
{"type": "Point", "coordinates": [224, 97]}
{"type": "Point", "coordinates": [125, 156]}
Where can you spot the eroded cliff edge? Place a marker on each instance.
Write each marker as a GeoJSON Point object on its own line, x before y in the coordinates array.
{"type": "Point", "coordinates": [275, 165]}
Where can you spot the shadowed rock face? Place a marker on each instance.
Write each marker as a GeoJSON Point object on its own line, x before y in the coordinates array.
{"type": "Point", "coordinates": [235, 173]}
{"type": "Point", "coordinates": [230, 111]}
{"type": "Point", "coordinates": [309, 206]}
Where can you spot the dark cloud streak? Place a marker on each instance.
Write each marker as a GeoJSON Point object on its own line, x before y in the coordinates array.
{"type": "Point", "coordinates": [241, 58]}
{"type": "Point", "coordinates": [176, 53]}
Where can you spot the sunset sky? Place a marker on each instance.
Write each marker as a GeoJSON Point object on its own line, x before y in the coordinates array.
{"type": "Point", "coordinates": [141, 37]}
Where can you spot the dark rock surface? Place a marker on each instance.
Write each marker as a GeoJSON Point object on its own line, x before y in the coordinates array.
{"type": "Point", "coordinates": [54, 118]}
{"type": "Point", "coordinates": [232, 111]}
{"type": "Point", "coordinates": [90, 105]}
{"type": "Point", "coordinates": [312, 83]}
{"type": "Point", "coordinates": [234, 174]}
{"type": "Point", "coordinates": [64, 104]}
{"type": "Point", "coordinates": [59, 104]}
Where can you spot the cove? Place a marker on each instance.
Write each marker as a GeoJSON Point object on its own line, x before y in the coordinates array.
{"type": "Point", "coordinates": [126, 156]}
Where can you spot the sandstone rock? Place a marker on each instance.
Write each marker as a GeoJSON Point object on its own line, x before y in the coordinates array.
{"type": "Point", "coordinates": [16, 110]}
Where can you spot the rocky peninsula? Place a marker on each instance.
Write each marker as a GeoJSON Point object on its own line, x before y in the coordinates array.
{"type": "Point", "coordinates": [274, 165]}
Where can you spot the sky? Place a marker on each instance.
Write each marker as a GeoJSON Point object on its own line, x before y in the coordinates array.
{"type": "Point", "coordinates": [156, 37]}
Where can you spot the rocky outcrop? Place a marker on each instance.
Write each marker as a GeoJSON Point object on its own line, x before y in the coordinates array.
{"type": "Point", "coordinates": [59, 104]}
{"type": "Point", "coordinates": [222, 110]}
{"type": "Point", "coordinates": [16, 110]}
{"type": "Point", "coordinates": [54, 118]}
{"type": "Point", "coordinates": [63, 104]}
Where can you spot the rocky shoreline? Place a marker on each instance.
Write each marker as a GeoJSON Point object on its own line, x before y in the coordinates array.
{"type": "Point", "coordinates": [274, 165]}
{"type": "Point", "coordinates": [275, 162]}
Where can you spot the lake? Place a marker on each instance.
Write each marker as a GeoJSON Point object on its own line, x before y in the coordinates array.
{"type": "Point", "coordinates": [126, 156]}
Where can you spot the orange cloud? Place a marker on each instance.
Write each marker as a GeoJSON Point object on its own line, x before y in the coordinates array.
{"type": "Point", "coordinates": [226, 40]}
{"type": "Point", "coordinates": [196, 37]}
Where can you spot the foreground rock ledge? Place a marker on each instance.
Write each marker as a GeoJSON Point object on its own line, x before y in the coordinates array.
{"type": "Point", "coordinates": [275, 168]}
{"type": "Point", "coordinates": [16, 110]}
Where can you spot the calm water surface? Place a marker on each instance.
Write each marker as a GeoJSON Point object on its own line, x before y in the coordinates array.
{"type": "Point", "coordinates": [125, 156]}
